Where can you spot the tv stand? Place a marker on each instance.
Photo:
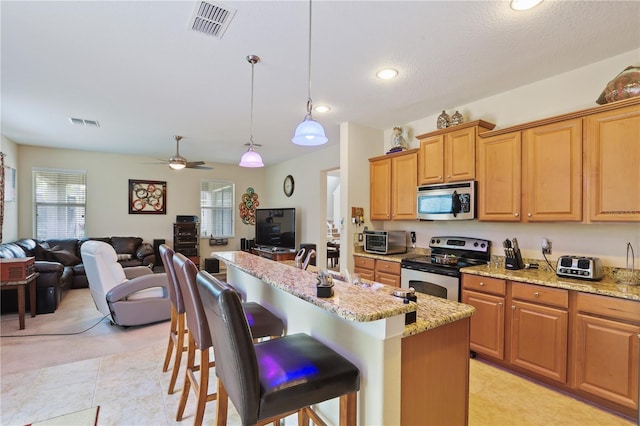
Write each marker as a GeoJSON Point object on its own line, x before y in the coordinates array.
{"type": "Point", "coordinates": [278, 254]}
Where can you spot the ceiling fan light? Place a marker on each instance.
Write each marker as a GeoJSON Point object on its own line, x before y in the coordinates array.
{"type": "Point", "coordinates": [251, 159]}
{"type": "Point", "coordinates": [177, 163]}
{"type": "Point", "coordinates": [309, 133]}
{"type": "Point", "coordinates": [524, 4]}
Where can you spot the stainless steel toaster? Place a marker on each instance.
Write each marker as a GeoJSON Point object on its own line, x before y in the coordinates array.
{"type": "Point", "coordinates": [586, 268]}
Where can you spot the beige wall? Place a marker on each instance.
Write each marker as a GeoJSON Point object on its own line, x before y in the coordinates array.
{"type": "Point", "coordinates": [107, 198]}
{"type": "Point", "coordinates": [560, 94]}
{"type": "Point", "coordinates": [10, 223]}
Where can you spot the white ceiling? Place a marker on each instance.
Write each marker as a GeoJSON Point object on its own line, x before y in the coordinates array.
{"type": "Point", "coordinates": [138, 69]}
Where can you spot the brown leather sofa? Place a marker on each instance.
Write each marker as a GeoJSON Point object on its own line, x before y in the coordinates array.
{"type": "Point", "coordinates": [60, 265]}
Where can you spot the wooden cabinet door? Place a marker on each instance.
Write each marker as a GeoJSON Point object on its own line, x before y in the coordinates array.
{"type": "Point", "coordinates": [487, 323]}
{"type": "Point", "coordinates": [552, 172]}
{"type": "Point", "coordinates": [431, 162]}
{"type": "Point", "coordinates": [499, 177]}
{"type": "Point", "coordinates": [380, 189]}
{"type": "Point", "coordinates": [403, 187]}
{"type": "Point", "coordinates": [367, 274]}
{"type": "Point", "coordinates": [388, 279]}
{"type": "Point", "coordinates": [613, 155]}
{"type": "Point", "coordinates": [460, 155]}
{"type": "Point", "coordinates": [538, 339]}
{"type": "Point", "coordinates": [606, 359]}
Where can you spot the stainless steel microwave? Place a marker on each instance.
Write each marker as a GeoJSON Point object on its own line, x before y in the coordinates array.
{"type": "Point", "coordinates": [385, 242]}
{"type": "Point", "coordinates": [447, 201]}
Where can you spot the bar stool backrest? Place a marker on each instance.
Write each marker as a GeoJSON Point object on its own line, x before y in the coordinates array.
{"type": "Point", "coordinates": [175, 294]}
{"type": "Point", "coordinates": [236, 360]}
{"type": "Point", "coordinates": [186, 272]}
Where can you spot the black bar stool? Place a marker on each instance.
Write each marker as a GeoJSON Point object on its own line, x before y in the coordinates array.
{"type": "Point", "coordinates": [269, 380]}
{"type": "Point", "coordinates": [266, 325]}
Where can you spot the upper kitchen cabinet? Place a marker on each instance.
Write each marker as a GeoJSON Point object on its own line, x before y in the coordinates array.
{"type": "Point", "coordinates": [449, 155]}
{"type": "Point", "coordinates": [393, 183]}
{"type": "Point", "coordinates": [613, 155]}
{"type": "Point", "coordinates": [552, 172]}
{"type": "Point", "coordinates": [499, 177]}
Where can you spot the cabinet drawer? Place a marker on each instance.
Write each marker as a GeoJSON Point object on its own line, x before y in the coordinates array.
{"type": "Point", "coordinates": [540, 294]}
{"type": "Point", "coordinates": [626, 310]}
{"type": "Point", "coordinates": [484, 284]}
{"type": "Point", "coordinates": [364, 262]}
{"type": "Point", "coordinates": [388, 267]}
{"type": "Point", "coordinates": [388, 279]}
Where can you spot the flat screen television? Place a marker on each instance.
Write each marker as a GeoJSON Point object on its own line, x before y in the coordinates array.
{"type": "Point", "coordinates": [276, 228]}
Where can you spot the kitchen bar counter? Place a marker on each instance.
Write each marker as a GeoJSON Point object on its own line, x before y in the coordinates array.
{"type": "Point", "coordinates": [606, 287]}
{"type": "Point", "coordinates": [410, 374]}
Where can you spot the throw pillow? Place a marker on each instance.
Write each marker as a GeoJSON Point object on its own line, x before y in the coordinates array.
{"type": "Point", "coordinates": [145, 250]}
{"type": "Point", "coordinates": [125, 256]}
{"type": "Point", "coordinates": [65, 257]}
{"type": "Point", "coordinates": [126, 244]}
{"type": "Point", "coordinates": [40, 251]}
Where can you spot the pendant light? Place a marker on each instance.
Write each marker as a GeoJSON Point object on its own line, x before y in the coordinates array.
{"type": "Point", "coordinates": [251, 158]}
{"type": "Point", "coordinates": [309, 132]}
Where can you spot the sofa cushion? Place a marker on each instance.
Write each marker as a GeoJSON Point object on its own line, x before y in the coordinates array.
{"type": "Point", "coordinates": [28, 245]}
{"type": "Point", "coordinates": [65, 257]}
{"type": "Point", "coordinates": [68, 244]}
{"type": "Point", "coordinates": [126, 245]}
{"type": "Point", "coordinates": [11, 251]}
{"type": "Point", "coordinates": [144, 250]}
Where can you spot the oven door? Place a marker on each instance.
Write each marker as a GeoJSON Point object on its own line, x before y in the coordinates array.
{"type": "Point", "coordinates": [432, 284]}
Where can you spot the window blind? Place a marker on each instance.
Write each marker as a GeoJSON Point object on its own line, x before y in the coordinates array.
{"type": "Point", "coordinates": [59, 203]}
{"type": "Point", "coordinates": [216, 208]}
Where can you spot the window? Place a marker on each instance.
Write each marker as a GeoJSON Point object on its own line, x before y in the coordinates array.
{"type": "Point", "coordinates": [59, 198]}
{"type": "Point", "coordinates": [216, 208]}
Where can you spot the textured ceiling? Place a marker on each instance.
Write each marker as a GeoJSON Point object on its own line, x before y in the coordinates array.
{"type": "Point", "coordinates": [137, 68]}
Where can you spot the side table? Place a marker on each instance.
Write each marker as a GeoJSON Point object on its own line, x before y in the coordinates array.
{"type": "Point", "coordinates": [20, 285]}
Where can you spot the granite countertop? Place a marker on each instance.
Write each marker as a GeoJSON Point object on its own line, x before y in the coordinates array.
{"type": "Point", "coordinates": [368, 302]}
{"type": "Point", "coordinates": [411, 252]}
{"type": "Point", "coordinates": [607, 286]}
{"type": "Point", "coordinates": [350, 302]}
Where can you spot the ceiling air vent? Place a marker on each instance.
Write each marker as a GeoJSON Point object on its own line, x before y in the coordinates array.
{"type": "Point", "coordinates": [211, 18]}
{"type": "Point", "coordinates": [82, 122]}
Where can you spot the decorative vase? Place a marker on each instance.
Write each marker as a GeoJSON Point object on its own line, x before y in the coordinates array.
{"type": "Point", "coordinates": [443, 120]}
{"type": "Point", "coordinates": [456, 119]}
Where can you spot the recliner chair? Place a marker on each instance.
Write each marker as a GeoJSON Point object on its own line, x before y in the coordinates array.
{"type": "Point", "coordinates": [137, 301]}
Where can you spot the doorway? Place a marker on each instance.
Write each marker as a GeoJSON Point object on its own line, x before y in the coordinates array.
{"type": "Point", "coordinates": [333, 219]}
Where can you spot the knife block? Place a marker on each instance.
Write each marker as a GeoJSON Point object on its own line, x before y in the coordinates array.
{"type": "Point", "coordinates": [513, 260]}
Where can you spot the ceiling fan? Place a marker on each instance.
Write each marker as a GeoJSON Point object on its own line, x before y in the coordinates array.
{"type": "Point", "coordinates": [178, 162]}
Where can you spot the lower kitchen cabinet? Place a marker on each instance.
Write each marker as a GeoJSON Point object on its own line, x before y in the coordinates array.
{"type": "Point", "coordinates": [378, 270]}
{"type": "Point", "coordinates": [583, 343]}
{"type": "Point", "coordinates": [487, 295]}
{"type": "Point", "coordinates": [539, 330]}
{"type": "Point", "coordinates": [605, 360]}
{"type": "Point", "coordinates": [364, 267]}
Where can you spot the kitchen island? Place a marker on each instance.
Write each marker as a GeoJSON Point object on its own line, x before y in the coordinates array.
{"type": "Point", "coordinates": [413, 374]}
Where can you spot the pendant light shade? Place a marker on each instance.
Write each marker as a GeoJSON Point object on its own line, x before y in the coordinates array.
{"type": "Point", "coordinates": [251, 158]}
{"type": "Point", "coordinates": [309, 132]}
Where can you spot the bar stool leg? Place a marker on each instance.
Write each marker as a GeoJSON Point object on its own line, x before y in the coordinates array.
{"type": "Point", "coordinates": [222, 405]}
{"type": "Point", "coordinates": [172, 331]}
{"type": "Point", "coordinates": [191, 358]}
{"type": "Point", "coordinates": [180, 333]}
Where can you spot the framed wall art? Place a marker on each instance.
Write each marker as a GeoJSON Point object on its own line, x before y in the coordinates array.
{"type": "Point", "coordinates": [147, 197]}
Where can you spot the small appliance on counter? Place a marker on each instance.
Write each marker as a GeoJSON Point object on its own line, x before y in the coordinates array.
{"type": "Point", "coordinates": [513, 258]}
{"type": "Point", "coordinates": [586, 268]}
{"type": "Point", "coordinates": [385, 242]}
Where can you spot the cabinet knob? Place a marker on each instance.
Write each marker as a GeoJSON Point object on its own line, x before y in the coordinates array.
{"type": "Point", "coordinates": [448, 176]}
{"type": "Point", "coordinates": [529, 214]}
{"type": "Point", "coordinates": [516, 214]}
{"type": "Point", "coordinates": [536, 294]}
{"type": "Point", "coordinates": [439, 177]}
{"type": "Point", "coordinates": [513, 307]}
{"type": "Point", "coordinates": [499, 303]}
{"type": "Point", "coordinates": [481, 283]}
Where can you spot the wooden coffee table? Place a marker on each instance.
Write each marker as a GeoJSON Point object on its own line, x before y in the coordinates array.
{"type": "Point", "coordinates": [20, 285]}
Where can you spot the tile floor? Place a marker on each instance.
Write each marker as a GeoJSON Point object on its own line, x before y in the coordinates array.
{"type": "Point", "coordinates": [131, 390]}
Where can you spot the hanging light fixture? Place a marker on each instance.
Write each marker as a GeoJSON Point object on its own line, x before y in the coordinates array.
{"type": "Point", "coordinates": [309, 132]}
{"type": "Point", "coordinates": [251, 158]}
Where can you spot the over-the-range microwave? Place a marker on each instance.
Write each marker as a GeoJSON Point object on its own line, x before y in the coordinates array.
{"type": "Point", "coordinates": [447, 201]}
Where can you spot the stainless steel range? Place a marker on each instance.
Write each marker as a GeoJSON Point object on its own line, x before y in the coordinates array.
{"type": "Point", "coordinates": [439, 274]}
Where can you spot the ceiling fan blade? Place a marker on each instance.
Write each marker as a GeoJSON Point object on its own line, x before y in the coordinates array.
{"type": "Point", "coordinates": [198, 165]}
{"type": "Point", "coordinates": [195, 163]}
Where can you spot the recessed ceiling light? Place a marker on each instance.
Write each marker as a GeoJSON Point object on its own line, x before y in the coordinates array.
{"type": "Point", "coordinates": [524, 4]}
{"type": "Point", "coordinates": [387, 74]}
{"type": "Point", "coordinates": [322, 108]}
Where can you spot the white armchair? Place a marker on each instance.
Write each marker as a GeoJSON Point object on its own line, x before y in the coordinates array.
{"type": "Point", "coordinates": [137, 301]}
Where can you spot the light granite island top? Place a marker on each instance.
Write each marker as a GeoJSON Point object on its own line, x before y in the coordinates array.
{"type": "Point", "coordinates": [404, 368]}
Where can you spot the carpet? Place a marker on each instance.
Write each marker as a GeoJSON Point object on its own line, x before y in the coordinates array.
{"type": "Point", "coordinates": [88, 417]}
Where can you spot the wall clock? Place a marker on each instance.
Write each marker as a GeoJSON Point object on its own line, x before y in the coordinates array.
{"type": "Point", "coordinates": [288, 185]}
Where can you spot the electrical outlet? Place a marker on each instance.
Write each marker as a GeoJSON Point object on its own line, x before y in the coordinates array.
{"type": "Point", "coordinates": [546, 246]}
